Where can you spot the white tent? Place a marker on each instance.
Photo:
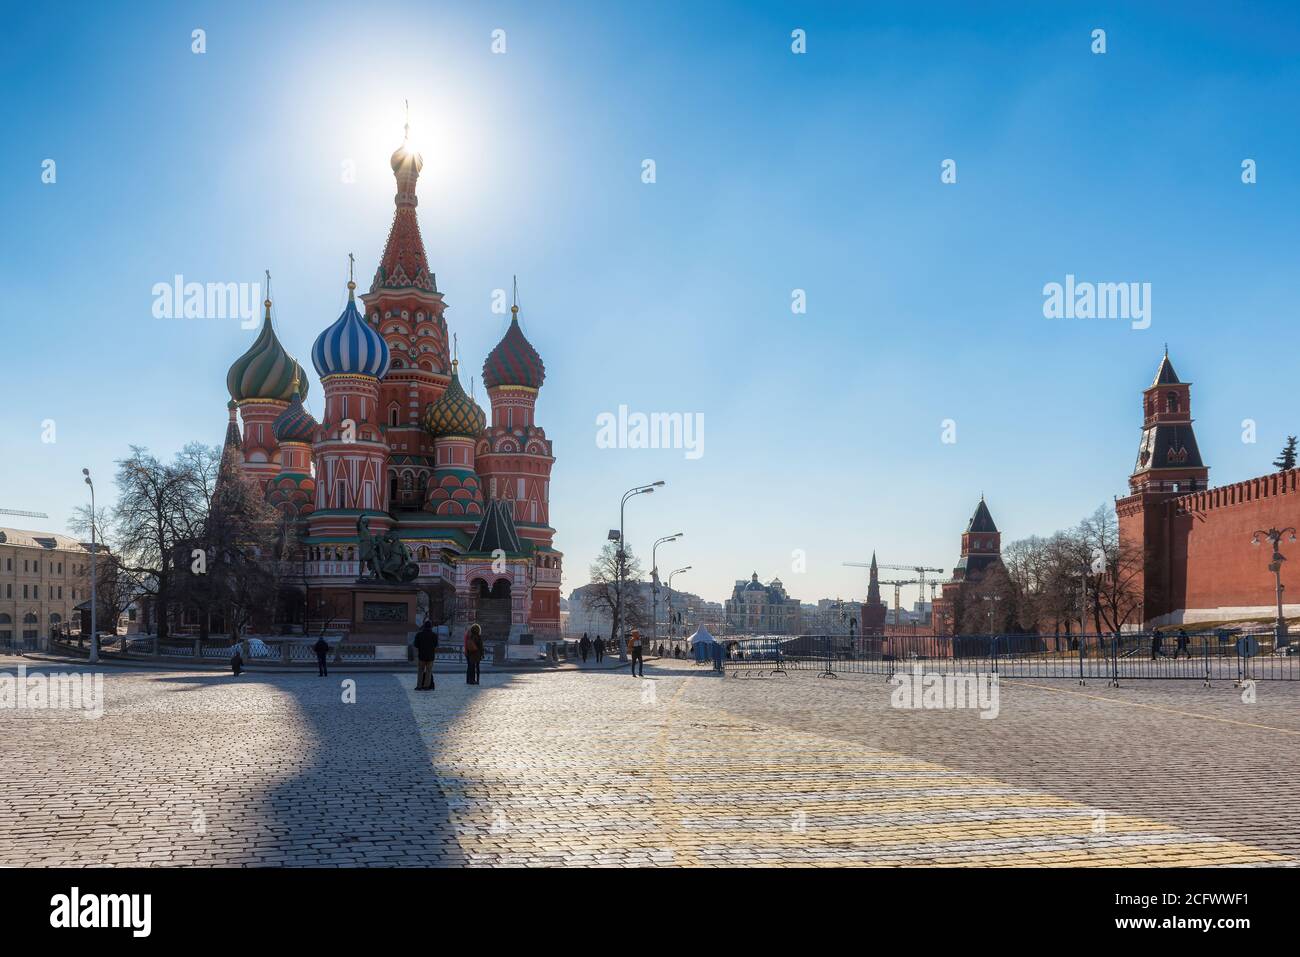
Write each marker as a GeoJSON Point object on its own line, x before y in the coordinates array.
{"type": "Point", "coordinates": [701, 636]}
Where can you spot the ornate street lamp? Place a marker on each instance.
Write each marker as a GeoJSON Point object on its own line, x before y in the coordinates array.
{"type": "Point", "coordinates": [677, 571]}
{"type": "Point", "coordinates": [619, 560]}
{"type": "Point", "coordinates": [654, 581]}
{"type": "Point", "coordinates": [1275, 535]}
{"type": "Point", "coordinates": [94, 580]}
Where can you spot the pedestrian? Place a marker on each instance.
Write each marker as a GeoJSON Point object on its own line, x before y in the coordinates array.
{"type": "Point", "coordinates": [322, 648]}
{"type": "Point", "coordinates": [599, 648]}
{"type": "Point", "coordinates": [236, 661]}
{"type": "Point", "coordinates": [1156, 639]}
{"type": "Point", "coordinates": [426, 650]}
{"type": "Point", "coordinates": [634, 651]}
{"type": "Point", "coordinates": [584, 647]}
{"type": "Point", "coordinates": [473, 653]}
{"type": "Point", "coordinates": [1182, 643]}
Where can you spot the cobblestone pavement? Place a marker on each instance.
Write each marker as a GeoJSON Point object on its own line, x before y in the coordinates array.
{"type": "Point", "coordinates": [683, 769]}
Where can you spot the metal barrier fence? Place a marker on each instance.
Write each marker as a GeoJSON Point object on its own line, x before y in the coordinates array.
{"type": "Point", "coordinates": [1203, 656]}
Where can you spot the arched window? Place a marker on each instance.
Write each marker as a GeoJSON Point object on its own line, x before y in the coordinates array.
{"type": "Point", "coordinates": [392, 414]}
{"type": "Point", "coordinates": [1171, 402]}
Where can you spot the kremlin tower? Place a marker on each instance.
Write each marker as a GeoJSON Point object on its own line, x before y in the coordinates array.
{"type": "Point", "coordinates": [402, 445]}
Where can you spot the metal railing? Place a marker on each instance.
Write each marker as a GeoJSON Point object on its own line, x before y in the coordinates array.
{"type": "Point", "coordinates": [1204, 656]}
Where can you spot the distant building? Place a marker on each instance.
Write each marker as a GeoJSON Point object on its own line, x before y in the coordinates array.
{"type": "Point", "coordinates": [831, 616]}
{"type": "Point", "coordinates": [758, 609]}
{"type": "Point", "coordinates": [686, 612]}
{"type": "Point", "coordinates": [43, 577]}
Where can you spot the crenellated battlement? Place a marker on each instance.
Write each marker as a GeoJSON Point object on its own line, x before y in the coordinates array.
{"type": "Point", "coordinates": [1238, 493]}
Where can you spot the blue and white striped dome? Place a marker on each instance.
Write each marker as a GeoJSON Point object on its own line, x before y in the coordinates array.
{"type": "Point", "coordinates": [350, 346]}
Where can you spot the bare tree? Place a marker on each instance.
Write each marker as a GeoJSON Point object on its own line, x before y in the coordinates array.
{"type": "Point", "coordinates": [604, 597]}
{"type": "Point", "coordinates": [1115, 571]}
{"type": "Point", "coordinates": [236, 556]}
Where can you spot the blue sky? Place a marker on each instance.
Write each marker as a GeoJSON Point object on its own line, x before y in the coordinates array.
{"type": "Point", "coordinates": [775, 172]}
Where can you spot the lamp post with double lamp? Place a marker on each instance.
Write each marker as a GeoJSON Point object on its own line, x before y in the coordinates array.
{"type": "Point", "coordinates": [654, 581]}
{"type": "Point", "coordinates": [94, 580]}
{"type": "Point", "coordinates": [1275, 535]}
{"type": "Point", "coordinates": [619, 560]}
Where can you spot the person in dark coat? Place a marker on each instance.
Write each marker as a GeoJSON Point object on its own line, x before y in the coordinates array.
{"type": "Point", "coordinates": [426, 650]}
{"type": "Point", "coordinates": [1182, 644]}
{"type": "Point", "coordinates": [584, 647]}
{"type": "Point", "coordinates": [473, 653]}
{"type": "Point", "coordinates": [236, 661]}
{"type": "Point", "coordinates": [1156, 639]}
{"type": "Point", "coordinates": [322, 648]}
{"type": "Point", "coordinates": [599, 648]}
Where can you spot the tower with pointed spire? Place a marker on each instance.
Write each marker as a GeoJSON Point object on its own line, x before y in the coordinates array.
{"type": "Point", "coordinates": [405, 307]}
{"type": "Point", "coordinates": [981, 550]}
{"type": "Point", "coordinates": [873, 610]}
{"type": "Point", "coordinates": [1168, 466]}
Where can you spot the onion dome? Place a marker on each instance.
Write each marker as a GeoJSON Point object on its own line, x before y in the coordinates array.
{"type": "Point", "coordinates": [514, 361]}
{"type": "Point", "coordinates": [295, 423]}
{"type": "Point", "coordinates": [350, 346]}
{"type": "Point", "coordinates": [265, 371]}
{"type": "Point", "coordinates": [455, 413]}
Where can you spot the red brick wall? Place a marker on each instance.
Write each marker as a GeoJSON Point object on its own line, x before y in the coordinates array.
{"type": "Point", "coordinates": [1199, 555]}
{"type": "Point", "coordinates": [1212, 563]}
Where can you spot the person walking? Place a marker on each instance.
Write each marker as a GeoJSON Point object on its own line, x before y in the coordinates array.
{"type": "Point", "coordinates": [1182, 644]}
{"type": "Point", "coordinates": [635, 651]}
{"type": "Point", "coordinates": [584, 647]}
{"type": "Point", "coordinates": [236, 661]}
{"type": "Point", "coordinates": [599, 648]}
{"type": "Point", "coordinates": [473, 653]}
{"type": "Point", "coordinates": [322, 648]}
{"type": "Point", "coordinates": [426, 650]}
{"type": "Point", "coordinates": [1156, 639]}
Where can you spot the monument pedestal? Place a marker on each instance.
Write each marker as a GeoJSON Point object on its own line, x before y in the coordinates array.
{"type": "Point", "coordinates": [384, 614]}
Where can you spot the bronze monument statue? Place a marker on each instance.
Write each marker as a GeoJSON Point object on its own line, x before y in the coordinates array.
{"type": "Point", "coordinates": [385, 555]}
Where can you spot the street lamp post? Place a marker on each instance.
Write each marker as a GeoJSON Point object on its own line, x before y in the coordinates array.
{"type": "Point", "coordinates": [654, 581]}
{"type": "Point", "coordinates": [94, 578]}
{"type": "Point", "coordinates": [676, 571]}
{"type": "Point", "coordinates": [1274, 535]}
{"type": "Point", "coordinates": [619, 561]}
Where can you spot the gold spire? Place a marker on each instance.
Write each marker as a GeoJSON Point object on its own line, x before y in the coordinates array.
{"type": "Point", "coordinates": [352, 284]}
{"type": "Point", "coordinates": [266, 303]}
{"type": "Point", "coordinates": [514, 310]}
{"type": "Point", "coordinates": [297, 380]}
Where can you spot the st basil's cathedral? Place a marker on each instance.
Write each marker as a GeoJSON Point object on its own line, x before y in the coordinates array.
{"type": "Point", "coordinates": [403, 446]}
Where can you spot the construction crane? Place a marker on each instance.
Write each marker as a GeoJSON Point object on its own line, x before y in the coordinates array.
{"type": "Point", "coordinates": [897, 586]}
{"type": "Point", "coordinates": [918, 570]}
{"type": "Point", "coordinates": [18, 511]}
